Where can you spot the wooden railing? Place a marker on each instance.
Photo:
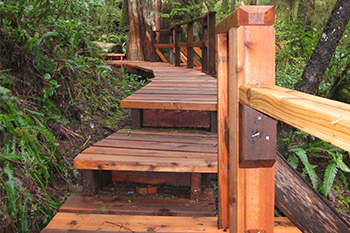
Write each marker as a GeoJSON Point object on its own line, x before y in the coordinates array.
{"type": "Point", "coordinates": [190, 47]}
{"type": "Point", "coordinates": [247, 100]}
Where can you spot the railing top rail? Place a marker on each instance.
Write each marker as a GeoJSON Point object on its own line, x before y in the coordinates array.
{"type": "Point", "coordinates": [245, 15]}
{"type": "Point", "coordinates": [326, 119]}
{"type": "Point", "coordinates": [193, 20]}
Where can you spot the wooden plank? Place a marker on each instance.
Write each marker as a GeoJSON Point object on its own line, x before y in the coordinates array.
{"type": "Point", "coordinates": [139, 206]}
{"type": "Point", "coordinates": [170, 132]}
{"type": "Point", "coordinates": [251, 60]}
{"type": "Point", "coordinates": [151, 154]}
{"type": "Point", "coordinates": [332, 123]}
{"type": "Point", "coordinates": [181, 105]}
{"type": "Point", "coordinates": [171, 137]}
{"type": "Point", "coordinates": [198, 51]}
{"type": "Point", "coordinates": [223, 157]}
{"type": "Point", "coordinates": [71, 222]}
{"type": "Point", "coordinates": [133, 163]}
{"type": "Point", "coordinates": [195, 61]}
{"type": "Point", "coordinates": [294, 195]}
{"type": "Point", "coordinates": [247, 15]}
{"type": "Point", "coordinates": [153, 145]}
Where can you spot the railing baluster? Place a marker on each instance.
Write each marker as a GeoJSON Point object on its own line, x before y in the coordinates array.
{"type": "Point", "coordinates": [211, 42]}
{"type": "Point", "coordinates": [189, 45]}
{"type": "Point", "coordinates": [204, 45]}
{"type": "Point", "coordinates": [177, 37]}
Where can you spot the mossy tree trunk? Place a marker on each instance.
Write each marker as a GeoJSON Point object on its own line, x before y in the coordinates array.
{"type": "Point", "coordinates": [322, 55]}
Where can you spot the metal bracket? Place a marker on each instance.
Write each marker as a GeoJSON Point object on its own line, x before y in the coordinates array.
{"type": "Point", "coordinates": [257, 139]}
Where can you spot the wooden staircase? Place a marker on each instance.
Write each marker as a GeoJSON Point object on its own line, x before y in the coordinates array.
{"type": "Point", "coordinates": [152, 157]}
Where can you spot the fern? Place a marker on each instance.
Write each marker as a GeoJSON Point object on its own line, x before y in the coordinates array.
{"type": "Point", "coordinates": [309, 168]}
{"type": "Point", "coordinates": [11, 191]}
{"type": "Point", "coordinates": [329, 176]}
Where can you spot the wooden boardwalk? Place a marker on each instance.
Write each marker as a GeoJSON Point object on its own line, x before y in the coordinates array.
{"type": "Point", "coordinates": [172, 88]}
{"type": "Point", "coordinates": [176, 155]}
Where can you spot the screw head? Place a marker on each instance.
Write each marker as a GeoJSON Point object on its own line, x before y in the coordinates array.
{"type": "Point", "coordinates": [259, 118]}
{"type": "Point", "coordinates": [267, 138]}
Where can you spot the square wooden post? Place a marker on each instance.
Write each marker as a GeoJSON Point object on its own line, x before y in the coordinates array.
{"type": "Point", "coordinates": [211, 42]}
{"type": "Point", "coordinates": [252, 61]}
{"type": "Point", "coordinates": [177, 38]}
{"type": "Point", "coordinates": [204, 44]}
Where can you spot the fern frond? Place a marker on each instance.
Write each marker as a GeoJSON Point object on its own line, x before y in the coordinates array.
{"type": "Point", "coordinates": [309, 167]}
{"type": "Point", "coordinates": [329, 176]}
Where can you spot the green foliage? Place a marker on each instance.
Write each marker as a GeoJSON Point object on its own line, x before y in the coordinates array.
{"type": "Point", "coordinates": [29, 151]}
{"type": "Point", "coordinates": [305, 148]}
{"type": "Point", "coordinates": [297, 45]}
{"type": "Point", "coordinates": [181, 10]}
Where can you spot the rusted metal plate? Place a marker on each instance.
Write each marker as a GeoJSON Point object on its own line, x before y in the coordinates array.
{"type": "Point", "coordinates": [257, 139]}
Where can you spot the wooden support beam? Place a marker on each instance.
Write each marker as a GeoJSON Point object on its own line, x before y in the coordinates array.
{"type": "Point", "coordinates": [204, 48]}
{"type": "Point", "coordinates": [196, 186]}
{"type": "Point", "coordinates": [189, 47]}
{"type": "Point", "coordinates": [137, 118]}
{"type": "Point", "coordinates": [177, 38]}
{"type": "Point", "coordinates": [251, 61]}
{"type": "Point", "coordinates": [223, 184]}
{"type": "Point", "coordinates": [160, 55]}
{"type": "Point", "coordinates": [302, 204]}
{"type": "Point", "coordinates": [211, 44]}
{"type": "Point", "coordinates": [94, 181]}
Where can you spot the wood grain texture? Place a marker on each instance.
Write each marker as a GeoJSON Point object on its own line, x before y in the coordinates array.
{"type": "Point", "coordinates": [223, 183]}
{"type": "Point", "coordinates": [71, 222]}
{"type": "Point", "coordinates": [107, 223]}
{"type": "Point", "coordinates": [247, 16]}
{"type": "Point", "coordinates": [298, 109]}
{"type": "Point", "coordinates": [294, 195]}
{"type": "Point", "coordinates": [139, 206]}
{"type": "Point", "coordinates": [251, 60]}
{"type": "Point", "coordinates": [172, 89]}
{"type": "Point", "coordinates": [156, 151]}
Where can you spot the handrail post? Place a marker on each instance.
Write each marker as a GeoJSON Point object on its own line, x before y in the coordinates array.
{"type": "Point", "coordinates": [177, 37]}
{"type": "Point", "coordinates": [211, 43]}
{"type": "Point", "coordinates": [189, 45]}
{"type": "Point", "coordinates": [171, 48]}
{"type": "Point", "coordinates": [251, 60]}
{"type": "Point", "coordinates": [153, 51]}
{"type": "Point", "coordinates": [204, 46]}
{"type": "Point", "coordinates": [222, 115]}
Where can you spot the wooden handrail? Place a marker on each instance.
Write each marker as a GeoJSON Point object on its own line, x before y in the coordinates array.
{"type": "Point", "coordinates": [197, 19]}
{"type": "Point", "coordinates": [326, 119]}
{"type": "Point", "coordinates": [207, 43]}
{"type": "Point", "coordinates": [246, 83]}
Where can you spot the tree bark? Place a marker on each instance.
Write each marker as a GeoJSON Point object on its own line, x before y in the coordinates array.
{"type": "Point", "coordinates": [322, 55]}
{"type": "Point", "coordinates": [141, 19]}
{"type": "Point", "coordinates": [135, 46]}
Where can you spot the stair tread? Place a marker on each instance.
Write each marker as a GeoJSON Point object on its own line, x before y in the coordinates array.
{"type": "Point", "coordinates": [152, 150]}
{"type": "Point", "coordinates": [64, 222]}
{"type": "Point", "coordinates": [139, 206]}
{"type": "Point", "coordinates": [72, 222]}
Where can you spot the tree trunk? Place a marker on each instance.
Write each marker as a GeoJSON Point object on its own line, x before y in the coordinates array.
{"type": "Point", "coordinates": [322, 55]}
{"type": "Point", "coordinates": [141, 20]}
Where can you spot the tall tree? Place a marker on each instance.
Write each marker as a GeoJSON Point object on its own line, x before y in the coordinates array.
{"type": "Point", "coordinates": [322, 55]}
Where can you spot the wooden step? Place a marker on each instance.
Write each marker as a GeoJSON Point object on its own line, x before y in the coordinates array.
{"type": "Point", "coordinates": [152, 150]}
{"type": "Point", "coordinates": [88, 223]}
{"type": "Point", "coordinates": [173, 88]}
{"type": "Point", "coordinates": [139, 206]}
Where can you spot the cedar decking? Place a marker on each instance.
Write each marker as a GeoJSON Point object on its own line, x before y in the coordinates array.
{"type": "Point", "coordinates": [156, 151]}
{"type": "Point", "coordinates": [152, 151]}
{"type": "Point", "coordinates": [172, 88]}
